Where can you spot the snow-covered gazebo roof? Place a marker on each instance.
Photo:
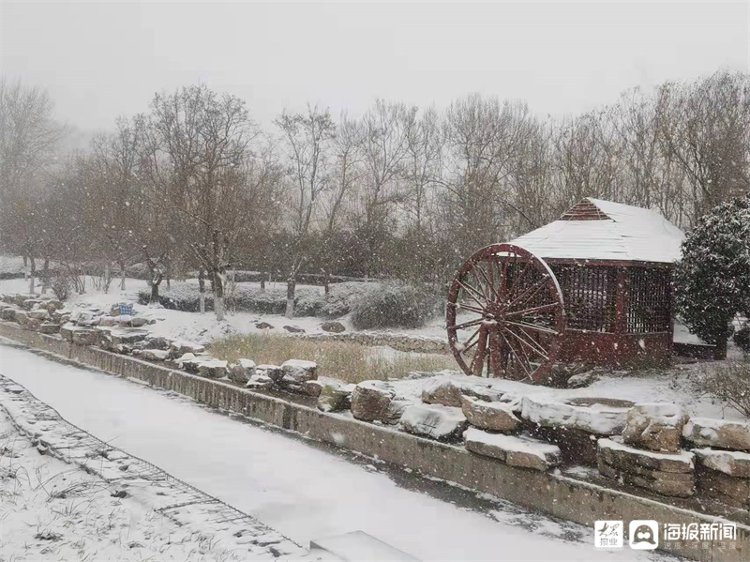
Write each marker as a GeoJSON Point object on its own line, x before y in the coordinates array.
{"type": "Point", "coordinates": [602, 230]}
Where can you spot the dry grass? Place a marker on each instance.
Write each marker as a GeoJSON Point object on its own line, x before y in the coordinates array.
{"type": "Point", "coordinates": [347, 361]}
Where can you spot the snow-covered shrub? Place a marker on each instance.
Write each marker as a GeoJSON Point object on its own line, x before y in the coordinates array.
{"type": "Point", "coordinates": [60, 287]}
{"type": "Point", "coordinates": [742, 338]}
{"type": "Point", "coordinates": [342, 296]}
{"type": "Point", "coordinates": [712, 280]}
{"type": "Point", "coordinates": [730, 382]}
{"type": "Point", "coordinates": [394, 305]}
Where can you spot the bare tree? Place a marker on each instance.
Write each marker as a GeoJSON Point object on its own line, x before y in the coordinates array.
{"type": "Point", "coordinates": [199, 145]}
{"type": "Point", "coordinates": [307, 138]}
{"type": "Point", "coordinates": [28, 136]}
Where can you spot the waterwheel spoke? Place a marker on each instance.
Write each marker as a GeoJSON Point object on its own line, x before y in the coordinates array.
{"type": "Point", "coordinates": [532, 310]}
{"type": "Point", "coordinates": [490, 283]}
{"type": "Point", "coordinates": [528, 293]}
{"type": "Point", "coordinates": [530, 343]}
{"type": "Point", "coordinates": [468, 307]}
{"type": "Point", "coordinates": [479, 357]}
{"type": "Point", "coordinates": [527, 326]}
{"type": "Point", "coordinates": [468, 324]}
{"type": "Point", "coordinates": [498, 358]}
{"type": "Point", "coordinates": [471, 291]}
{"type": "Point", "coordinates": [470, 342]}
{"type": "Point", "coordinates": [522, 357]}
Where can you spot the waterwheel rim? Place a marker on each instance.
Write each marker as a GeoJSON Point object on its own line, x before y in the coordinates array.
{"type": "Point", "coordinates": [505, 315]}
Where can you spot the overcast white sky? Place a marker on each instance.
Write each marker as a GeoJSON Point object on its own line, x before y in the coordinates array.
{"type": "Point", "coordinates": [101, 60]}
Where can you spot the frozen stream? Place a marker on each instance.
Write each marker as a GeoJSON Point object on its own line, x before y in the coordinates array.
{"type": "Point", "coordinates": [300, 489]}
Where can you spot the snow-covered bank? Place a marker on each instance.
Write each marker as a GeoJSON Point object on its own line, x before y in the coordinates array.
{"type": "Point", "coordinates": [295, 487]}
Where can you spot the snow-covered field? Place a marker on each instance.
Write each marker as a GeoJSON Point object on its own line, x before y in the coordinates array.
{"type": "Point", "coordinates": [302, 490]}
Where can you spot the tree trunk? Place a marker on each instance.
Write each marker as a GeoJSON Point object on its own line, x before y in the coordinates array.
{"type": "Point", "coordinates": [720, 351]}
{"type": "Point", "coordinates": [219, 295]}
{"type": "Point", "coordinates": [326, 282]}
{"type": "Point", "coordinates": [201, 291]}
{"type": "Point", "coordinates": [291, 286]}
{"type": "Point", "coordinates": [32, 272]}
{"type": "Point", "coordinates": [154, 293]}
{"type": "Point", "coordinates": [45, 276]}
{"type": "Point", "coordinates": [107, 277]}
{"type": "Point", "coordinates": [262, 281]}
{"type": "Point", "coordinates": [121, 263]}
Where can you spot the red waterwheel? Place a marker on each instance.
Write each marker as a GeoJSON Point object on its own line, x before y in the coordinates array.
{"type": "Point", "coordinates": [505, 314]}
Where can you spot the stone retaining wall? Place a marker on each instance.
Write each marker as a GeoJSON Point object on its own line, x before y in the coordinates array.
{"type": "Point", "coordinates": [553, 493]}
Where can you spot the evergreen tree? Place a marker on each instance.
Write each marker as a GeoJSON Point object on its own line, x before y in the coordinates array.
{"type": "Point", "coordinates": [713, 278]}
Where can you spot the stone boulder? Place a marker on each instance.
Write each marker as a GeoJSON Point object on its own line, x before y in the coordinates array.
{"type": "Point", "coordinates": [273, 372]}
{"type": "Point", "coordinates": [181, 347]}
{"type": "Point", "coordinates": [442, 423]}
{"type": "Point", "coordinates": [299, 370]}
{"type": "Point", "coordinates": [212, 368]}
{"type": "Point", "coordinates": [84, 336]}
{"type": "Point", "coordinates": [38, 314]}
{"type": "Point", "coordinates": [242, 371]}
{"type": "Point", "coordinates": [294, 329]}
{"type": "Point", "coordinates": [494, 416]}
{"type": "Point", "coordinates": [8, 313]}
{"type": "Point", "coordinates": [657, 427]}
{"type": "Point", "coordinates": [724, 434]}
{"type": "Point", "coordinates": [600, 416]}
{"type": "Point", "coordinates": [157, 343]}
{"type": "Point", "coordinates": [731, 463]}
{"type": "Point", "coordinates": [333, 327]}
{"type": "Point", "coordinates": [723, 487]}
{"type": "Point", "coordinates": [514, 450]}
{"type": "Point", "coordinates": [153, 354]}
{"type": "Point", "coordinates": [443, 391]}
{"type": "Point", "coordinates": [334, 398]}
{"type": "Point", "coordinates": [668, 474]}
{"type": "Point", "coordinates": [264, 326]}
{"type": "Point", "coordinates": [49, 328]}
{"type": "Point", "coordinates": [371, 400]}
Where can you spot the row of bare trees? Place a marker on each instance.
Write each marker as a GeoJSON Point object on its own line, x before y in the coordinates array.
{"type": "Point", "coordinates": [195, 184]}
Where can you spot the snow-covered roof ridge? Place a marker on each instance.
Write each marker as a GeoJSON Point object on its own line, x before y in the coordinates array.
{"type": "Point", "coordinates": [620, 232]}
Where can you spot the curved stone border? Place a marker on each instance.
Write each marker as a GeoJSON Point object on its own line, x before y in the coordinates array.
{"type": "Point", "coordinates": [552, 493]}
{"type": "Point", "coordinates": [126, 473]}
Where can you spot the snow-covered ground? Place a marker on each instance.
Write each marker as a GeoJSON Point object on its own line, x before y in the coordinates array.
{"type": "Point", "coordinates": [302, 490]}
{"type": "Point", "coordinates": [53, 509]}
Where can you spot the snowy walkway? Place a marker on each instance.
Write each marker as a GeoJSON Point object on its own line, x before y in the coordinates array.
{"type": "Point", "coordinates": [295, 487]}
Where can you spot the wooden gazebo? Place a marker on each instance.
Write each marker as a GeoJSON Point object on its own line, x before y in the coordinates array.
{"type": "Point", "coordinates": [593, 287]}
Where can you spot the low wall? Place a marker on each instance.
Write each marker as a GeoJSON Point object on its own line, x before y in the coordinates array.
{"type": "Point", "coordinates": [552, 493]}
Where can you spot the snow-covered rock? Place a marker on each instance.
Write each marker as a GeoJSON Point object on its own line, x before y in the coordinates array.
{"type": "Point", "coordinates": [623, 456]}
{"type": "Point", "coordinates": [153, 354]}
{"type": "Point", "coordinates": [371, 399]}
{"type": "Point", "coordinates": [442, 390]}
{"type": "Point", "coordinates": [495, 416]}
{"type": "Point", "coordinates": [732, 463]}
{"type": "Point", "coordinates": [514, 450]}
{"type": "Point", "coordinates": [242, 371]}
{"type": "Point", "coordinates": [333, 398]}
{"type": "Point", "coordinates": [443, 423]}
{"type": "Point", "coordinates": [657, 426]}
{"type": "Point", "coordinates": [49, 328]}
{"type": "Point", "coordinates": [181, 347]}
{"type": "Point", "coordinates": [592, 415]}
{"type": "Point", "coordinates": [300, 370]}
{"type": "Point", "coordinates": [273, 372]}
{"type": "Point", "coordinates": [724, 434]}
{"type": "Point", "coordinates": [38, 314]}
{"type": "Point", "coordinates": [8, 313]}
{"type": "Point", "coordinates": [669, 474]}
{"type": "Point", "coordinates": [725, 488]}
{"type": "Point", "coordinates": [212, 368]}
